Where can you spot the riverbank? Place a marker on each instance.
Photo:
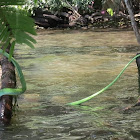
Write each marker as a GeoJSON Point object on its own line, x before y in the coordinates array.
{"type": "Point", "coordinates": [72, 19]}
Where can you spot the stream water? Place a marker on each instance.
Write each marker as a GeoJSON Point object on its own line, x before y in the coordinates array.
{"type": "Point", "coordinates": [68, 65]}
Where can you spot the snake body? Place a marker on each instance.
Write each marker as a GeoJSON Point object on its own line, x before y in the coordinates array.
{"type": "Point", "coordinates": [18, 91]}
{"type": "Point", "coordinates": [14, 91]}
{"type": "Point", "coordinates": [105, 88]}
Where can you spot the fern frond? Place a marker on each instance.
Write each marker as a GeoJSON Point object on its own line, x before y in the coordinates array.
{"type": "Point", "coordinates": [19, 35]}
{"type": "Point", "coordinates": [5, 35]}
{"type": "Point", "coordinates": [11, 49]}
{"type": "Point", "coordinates": [15, 27]}
{"type": "Point", "coordinates": [6, 44]}
{"type": "Point", "coordinates": [3, 32]}
{"type": "Point", "coordinates": [19, 21]}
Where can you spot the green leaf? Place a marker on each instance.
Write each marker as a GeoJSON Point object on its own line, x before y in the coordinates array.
{"type": "Point", "coordinates": [29, 44]}
{"type": "Point", "coordinates": [11, 49]}
{"type": "Point", "coordinates": [35, 1]}
{"type": "Point", "coordinates": [5, 36]}
{"type": "Point", "coordinates": [19, 20]}
{"type": "Point", "coordinates": [110, 11]}
{"type": "Point", "coordinates": [12, 2]}
{"type": "Point", "coordinates": [16, 27]}
{"type": "Point", "coordinates": [6, 44]}
{"type": "Point", "coordinates": [22, 36]}
{"type": "Point", "coordinates": [3, 33]}
{"type": "Point", "coordinates": [2, 24]}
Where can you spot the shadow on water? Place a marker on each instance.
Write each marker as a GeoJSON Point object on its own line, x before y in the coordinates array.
{"type": "Point", "coordinates": [66, 66]}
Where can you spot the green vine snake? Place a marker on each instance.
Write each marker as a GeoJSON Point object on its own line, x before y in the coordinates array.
{"type": "Point", "coordinates": [14, 91]}
{"type": "Point", "coordinates": [105, 88]}
{"type": "Point", "coordinates": [11, 91]}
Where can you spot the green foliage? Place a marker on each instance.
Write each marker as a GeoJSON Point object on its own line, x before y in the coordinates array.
{"type": "Point", "coordinates": [58, 5]}
{"type": "Point", "coordinates": [80, 5]}
{"type": "Point", "coordinates": [11, 2]}
{"type": "Point", "coordinates": [55, 5]}
{"type": "Point", "coordinates": [110, 11]}
{"type": "Point", "coordinates": [15, 25]}
{"type": "Point", "coordinates": [83, 6]}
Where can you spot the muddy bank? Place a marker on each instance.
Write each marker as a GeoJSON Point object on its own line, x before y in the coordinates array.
{"type": "Point", "coordinates": [69, 19]}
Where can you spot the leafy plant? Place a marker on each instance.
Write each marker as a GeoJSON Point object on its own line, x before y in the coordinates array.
{"type": "Point", "coordinates": [79, 5]}
{"type": "Point", "coordinates": [110, 11]}
{"type": "Point", "coordinates": [58, 5]}
{"type": "Point", "coordinates": [16, 26]}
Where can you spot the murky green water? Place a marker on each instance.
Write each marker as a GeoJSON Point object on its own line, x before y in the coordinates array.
{"type": "Point", "coordinates": [69, 65]}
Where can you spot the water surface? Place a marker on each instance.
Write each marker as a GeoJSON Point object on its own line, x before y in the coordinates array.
{"type": "Point", "coordinates": [68, 65]}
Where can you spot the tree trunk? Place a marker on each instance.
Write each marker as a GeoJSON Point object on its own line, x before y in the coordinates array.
{"type": "Point", "coordinates": [8, 80]}
{"type": "Point", "coordinates": [133, 22]}
{"type": "Point", "coordinates": [138, 66]}
{"type": "Point", "coordinates": [128, 4]}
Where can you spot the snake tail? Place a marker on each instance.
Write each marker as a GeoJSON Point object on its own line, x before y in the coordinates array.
{"type": "Point", "coordinates": [105, 88]}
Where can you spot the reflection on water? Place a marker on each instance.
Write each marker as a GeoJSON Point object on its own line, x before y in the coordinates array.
{"type": "Point", "coordinates": [69, 65]}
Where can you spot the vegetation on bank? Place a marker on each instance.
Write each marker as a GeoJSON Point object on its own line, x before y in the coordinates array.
{"type": "Point", "coordinates": [82, 13]}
